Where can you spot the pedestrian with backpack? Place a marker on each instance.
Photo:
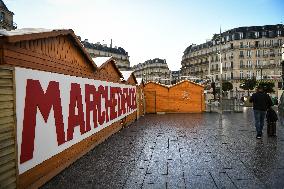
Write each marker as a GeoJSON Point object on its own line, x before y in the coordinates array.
{"type": "Point", "coordinates": [261, 102]}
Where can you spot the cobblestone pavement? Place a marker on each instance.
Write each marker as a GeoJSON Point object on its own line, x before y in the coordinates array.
{"type": "Point", "coordinates": [182, 151]}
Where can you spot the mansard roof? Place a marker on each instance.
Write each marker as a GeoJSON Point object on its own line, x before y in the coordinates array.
{"type": "Point", "coordinates": [249, 32]}
{"type": "Point", "coordinates": [100, 47]}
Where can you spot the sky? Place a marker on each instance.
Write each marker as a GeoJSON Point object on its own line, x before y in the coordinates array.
{"type": "Point", "coordinates": [146, 29]}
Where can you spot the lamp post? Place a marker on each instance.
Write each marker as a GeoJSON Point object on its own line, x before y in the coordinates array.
{"type": "Point", "coordinates": [282, 64]}
{"type": "Point", "coordinates": [261, 73]}
{"type": "Point", "coordinates": [221, 80]}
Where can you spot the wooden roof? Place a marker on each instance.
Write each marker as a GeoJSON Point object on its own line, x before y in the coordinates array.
{"type": "Point", "coordinates": [23, 35]}
{"type": "Point", "coordinates": [109, 60]}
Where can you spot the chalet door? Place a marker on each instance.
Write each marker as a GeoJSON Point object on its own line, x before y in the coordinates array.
{"type": "Point", "coordinates": [150, 97]}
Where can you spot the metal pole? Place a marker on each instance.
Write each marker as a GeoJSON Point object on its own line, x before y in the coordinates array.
{"type": "Point", "coordinates": [282, 63]}
{"type": "Point", "coordinates": [260, 73]}
{"type": "Point", "coordinates": [221, 80]}
{"type": "Point", "coordinates": [209, 64]}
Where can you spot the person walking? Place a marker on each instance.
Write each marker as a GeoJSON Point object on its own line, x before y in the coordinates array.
{"type": "Point", "coordinates": [261, 102]}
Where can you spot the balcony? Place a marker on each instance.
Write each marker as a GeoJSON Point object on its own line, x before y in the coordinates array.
{"type": "Point", "coordinates": [227, 68]}
{"type": "Point", "coordinates": [241, 56]}
{"type": "Point", "coordinates": [267, 66]}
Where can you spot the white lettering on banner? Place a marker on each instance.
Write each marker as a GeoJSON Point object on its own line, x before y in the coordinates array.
{"type": "Point", "coordinates": [56, 111]}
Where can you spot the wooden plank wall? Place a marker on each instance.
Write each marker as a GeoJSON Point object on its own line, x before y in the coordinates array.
{"type": "Point", "coordinates": [185, 97]}
{"type": "Point", "coordinates": [156, 97]}
{"type": "Point", "coordinates": [8, 152]}
{"type": "Point", "coordinates": [58, 55]}
{"type": "Point", "coordinates": [150, 101]}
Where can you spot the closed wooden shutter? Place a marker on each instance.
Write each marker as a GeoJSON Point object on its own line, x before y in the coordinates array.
{"type": "Point", "coordinates": [8, 160]}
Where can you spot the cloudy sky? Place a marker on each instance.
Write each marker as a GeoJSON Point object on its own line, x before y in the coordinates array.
{"type": "Point", "coordinates": [147, 29]}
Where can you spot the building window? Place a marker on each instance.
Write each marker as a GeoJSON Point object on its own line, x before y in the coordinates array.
{"type": "Point", "coordinates": [280, 42]}
{"type": "Point", "coordinates": [241, 74]}
{"type": "Point", "coordinates": [241, 35]}
{"type": "Point", "coordinates": [241, 63]}
{"type": "Point", "coordinates": [241, 54]}
{"type": "Point", "coordinates": [232, 75]}
{"type": "Point", "coordinates": [256, 34]}
{"type": "Point", "coordinates": [279, 32]}
{"type": "Point", "coordinates": [248, 44]}
{"type": "Point", "coordinates": [225, 76]}
{"type": "Point", "coordinates": [264, 53]}
{"type": "Point", "coordinates": [257, 63]}
{"type": "Point", "coordinates": [271, 42]}
{"type": "Point", "coordinates": [257, 53]}
{"type": "Point", "coordinates": [2, 16]}
{"type": "Point", "coordinates": [256, 43]}
{"type": "Point", "coordinates": [241, 45]}
{"type": "Point", "coordinates": [249, 74]}
{"type": "Point", "coordinates": [258, 74]}
{"type": "Point", "coordinates": [249, 53]}
{"type": "Point", "coordinates": [249, 63]}
{"type": "Point", "coordinates": [264, 43]}
{"type": "Point", "coordinates": [232, 64]}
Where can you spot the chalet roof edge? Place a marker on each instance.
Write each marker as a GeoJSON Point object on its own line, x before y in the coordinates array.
{"type": "Point", "coordinates": [157, 84]}
{"type": "Point", "coordinates": [170, 86]}
{"type": "Point", "coordinates": [185, 80]}
{"type": "Point", "coordinates": [107, 60]}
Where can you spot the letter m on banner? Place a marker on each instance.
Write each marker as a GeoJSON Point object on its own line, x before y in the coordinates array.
{"type": "Point", "coordinates": [36, 99]}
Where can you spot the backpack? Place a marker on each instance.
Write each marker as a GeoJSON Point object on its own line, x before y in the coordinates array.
{"type": "Point", "coordinates": [271, 115]}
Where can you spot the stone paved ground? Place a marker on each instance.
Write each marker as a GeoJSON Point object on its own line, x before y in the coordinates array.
{"type": "Point", "coordinates": [181, 151]}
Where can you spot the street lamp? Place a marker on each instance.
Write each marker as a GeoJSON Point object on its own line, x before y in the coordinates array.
{"type": "Point", "coordinates": [221, 79]}
{"type": "Point", "coordinates": [282, 64]}
{"type": "Point", "coordinates": [261, 73]}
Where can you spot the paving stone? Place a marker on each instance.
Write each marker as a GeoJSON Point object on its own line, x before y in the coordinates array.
{"type": "Point", "coordinates": [181, 151]}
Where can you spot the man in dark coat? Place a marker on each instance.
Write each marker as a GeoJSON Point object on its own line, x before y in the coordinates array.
{"type": "Point", "coordinates": [261, 102]}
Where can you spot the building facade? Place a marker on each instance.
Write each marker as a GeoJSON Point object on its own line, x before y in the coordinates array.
{"type": "Point", "coordinates": [175, 77]}
{"type": "Point", "coordinates": [246, 52]}
{"type": "Point", "coordinates": [153, 70]}
{"type": "Point", "coordinates": [6, 18]}
{"type": "Point", "coordinates": [117, 53]}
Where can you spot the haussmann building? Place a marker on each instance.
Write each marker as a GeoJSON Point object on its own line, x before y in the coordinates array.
{"type": "Point", "coordinates": [246, 52]}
